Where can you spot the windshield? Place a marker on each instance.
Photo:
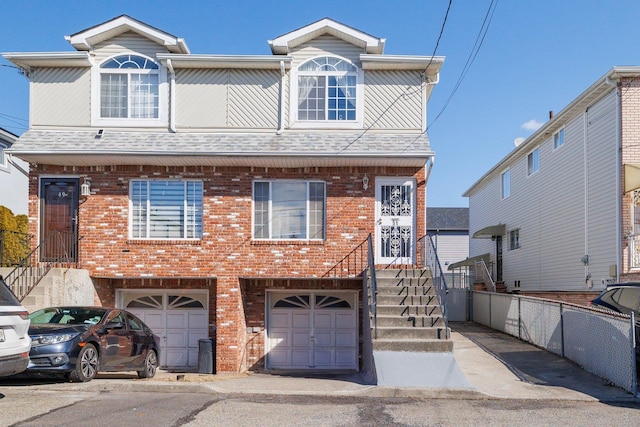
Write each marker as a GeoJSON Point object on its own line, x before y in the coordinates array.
{"type": "Point", "coordinates": [68, 316]}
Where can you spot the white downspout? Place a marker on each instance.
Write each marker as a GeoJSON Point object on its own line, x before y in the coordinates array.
{"type": "Point", "coordinates": [172, 97]}
{"type": "Point", "coordinates": [281, 109]}
{"type": "Point", "coordinates": [427, 174]}
{"type": "Point", "coordinates": [585, 160]}
{"type": "Point", "coordinates": [618, 174]}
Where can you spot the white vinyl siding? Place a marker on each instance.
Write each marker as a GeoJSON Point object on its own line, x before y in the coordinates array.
{"type": "Point", "coordinates": [60, 96]}
{"type": "Point", "coordinates": [567, 211]}
{"type": "Point", "coordinates": [393, 100]}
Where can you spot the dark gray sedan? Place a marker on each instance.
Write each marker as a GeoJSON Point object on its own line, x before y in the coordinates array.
{"type": "Point", "coordinates": [82, 341]}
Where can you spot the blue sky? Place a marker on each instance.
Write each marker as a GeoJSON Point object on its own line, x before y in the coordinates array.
{"type": "Point", "coordinates": [536, 57]}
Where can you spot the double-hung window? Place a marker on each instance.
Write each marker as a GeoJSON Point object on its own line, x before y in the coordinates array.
{"type": "Point", "coordinates": [533, 162]}
{"type": "Point", "coordinates": [514, 239]}
{"type": "Point", "coordinates": [506, 183]}
{"type": "Point", "coordinates": [558, 138]}
{"type": "Point", "coordinates": [328, 92]}
{"type": "Point", "coordinates": [129, 88]}
{"type": "Point", "coordinates": [289, 210]}
{"type": "Point", "coordinates": [166, 209]}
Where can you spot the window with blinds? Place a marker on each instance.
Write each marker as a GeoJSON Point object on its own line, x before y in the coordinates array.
{"type": "Point", "coordinates": [166, 209]}
{"type": "Point", "coordinates": [288, 210]}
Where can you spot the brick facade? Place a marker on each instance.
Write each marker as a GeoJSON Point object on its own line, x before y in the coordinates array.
{"type": "Point", "coordinates": [226, 253]}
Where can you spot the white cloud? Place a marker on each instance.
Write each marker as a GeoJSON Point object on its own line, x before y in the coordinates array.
{"type": "Point", "coordinates": [531, 125]}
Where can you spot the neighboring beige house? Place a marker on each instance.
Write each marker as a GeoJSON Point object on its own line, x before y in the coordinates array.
{"type": "Point", "coordinates": [233, 196]}
{"type": "Point", "coordinates": [14, 176]}
{"type": "Point", "coordinates": [559, 216]}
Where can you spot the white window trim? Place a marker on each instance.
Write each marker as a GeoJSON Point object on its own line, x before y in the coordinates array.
{"type": "Point", "coordinates": [294, 123]}
{"type": "Point", "coordinates": [531, 172]}
{"type": "Point", "coordinates": [509, 235]}
{"type": "Point", "coordinates": [564, 138]}
{"type": "Point", "coordinates": [502, 186]}
{"type": "Point", "coordinates": [4, 157]}
{"type": "Point", "coordinates": [271, 239]}
{"type": "Point", "coordinates": [144, 239]}
{"type": "Point", "coordinates": [163, 98]}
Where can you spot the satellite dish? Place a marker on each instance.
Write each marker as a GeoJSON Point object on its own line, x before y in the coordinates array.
{"type": "Point", "coordinates": [518, 141]}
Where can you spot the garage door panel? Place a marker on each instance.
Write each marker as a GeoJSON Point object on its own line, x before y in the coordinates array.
{"type": "Point", "coordinates": [195, 336]}
{"type": "Point", "coordinates": [176, 320]}
{"type": "Point", "coordinates": [198, 320]}
{"type": "Point", "coordinates": [323, 319]}
{"type": "Point", "coordinates": [301, 320]}
{"type": "Point", "coordinates": [346, 338]}
{"type": "Point", "coordinates": [300, 358]}
{"type": "Point", "coordinates": [300, 338]}
{"type": "Point", "coordinates": [279, 358]}
{"type": "Point", "coordinates": [176, 338]}
{"type": "Point", "coordinates": [177, 357]}
{"type": "Point", "coordinates": [280, 319]}
{"type": "Point", "coordinates": [280, 338]}
{"type": "Point", "coordinates": [154, 320]}
{"type": "Point", "coordinates": [345, 320]}
{"type": "Point", "coordinates": [346, 358]}
{"type": "Point", "coordinates": [323, 338]}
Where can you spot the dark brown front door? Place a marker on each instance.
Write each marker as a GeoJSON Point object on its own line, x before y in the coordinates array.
{"type": "Point", "coordinates": [58, 222]}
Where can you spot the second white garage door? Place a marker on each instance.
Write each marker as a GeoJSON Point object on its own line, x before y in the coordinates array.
{"type": "Point", "coordinates": [312, 330]}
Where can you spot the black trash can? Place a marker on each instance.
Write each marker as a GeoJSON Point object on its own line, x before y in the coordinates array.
{"type": "Point", "coordinates": [206, 356]}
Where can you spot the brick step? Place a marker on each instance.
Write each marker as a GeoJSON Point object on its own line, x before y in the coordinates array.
{"type": "Point", "coordinates": [409, 310]}
{"type": "Point", "coordinates": [410, 321]}
{"type": "Point", "coordinates": [422, 346]}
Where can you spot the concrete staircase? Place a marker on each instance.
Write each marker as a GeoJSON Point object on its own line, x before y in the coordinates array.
{"type": "Point", "coordinates": [409, 315]}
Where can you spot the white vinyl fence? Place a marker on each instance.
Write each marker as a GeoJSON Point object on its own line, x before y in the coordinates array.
{"type": "Point", "coordinates": [601, 343]}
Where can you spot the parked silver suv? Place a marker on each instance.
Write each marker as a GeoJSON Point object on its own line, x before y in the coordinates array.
{"type": "Point", "coordinates": [15, 342]}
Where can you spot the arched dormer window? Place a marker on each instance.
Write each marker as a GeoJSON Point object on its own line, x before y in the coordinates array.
{"type": "Point", "coordinates": [129, 92]}
{"type": "Point", "coordinates": [129, 88]}
{"type": "Point", "coordinates": [328, 91]}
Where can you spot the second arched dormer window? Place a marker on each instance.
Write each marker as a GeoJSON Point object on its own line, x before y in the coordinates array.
{"type": "Point", "coordinates": [129, 88]}
{"type": "Point", "coordinates": [327, 91]}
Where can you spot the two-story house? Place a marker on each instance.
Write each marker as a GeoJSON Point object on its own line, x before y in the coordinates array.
{"type": "Point", "coordinates": [559, 216]}
{"type": "Point", "coordinates": [212, 194]}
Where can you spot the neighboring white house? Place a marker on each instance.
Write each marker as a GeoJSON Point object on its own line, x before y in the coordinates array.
{"type": "Point", "coordinates": [554, 216]}
{"type": "Point", "coordinates": [14, 177]}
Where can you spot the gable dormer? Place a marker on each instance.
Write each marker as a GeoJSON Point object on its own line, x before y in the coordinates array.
{"type": "Point", "coordinates": [129, 86]}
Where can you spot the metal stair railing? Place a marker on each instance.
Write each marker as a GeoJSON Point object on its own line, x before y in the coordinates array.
{"type": "Point", "coordinates": [35, 266]}
{"type": "Point", "coordinates": [484, 272]}
{"type": "Point", "coordinates": [429, 258]}
{"type": "Point", "coordinates": [360, 262]}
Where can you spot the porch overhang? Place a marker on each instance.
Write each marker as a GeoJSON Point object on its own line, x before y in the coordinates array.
{"type": "Point", "coordinates": [631, 177]}
{"type": "Point", "coordinates": [470, 261]}
{"type": "Point", "coordinates": [490, 231]}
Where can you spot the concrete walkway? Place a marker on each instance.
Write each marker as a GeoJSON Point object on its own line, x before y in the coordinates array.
{"type": "Point", "coordinates": [495, 365]}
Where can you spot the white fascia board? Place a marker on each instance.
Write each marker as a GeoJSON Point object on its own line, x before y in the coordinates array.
{"type": "Point", "coordinates": [86, 39]}
{"type": "Point", "coordinates": [283, 44]}
{"type": "Point", "coordinates": [225, 61]}
{"type": "Point", "coordinates": [402, 62]}
{"type": "Point", "coordinates": [29, 60]}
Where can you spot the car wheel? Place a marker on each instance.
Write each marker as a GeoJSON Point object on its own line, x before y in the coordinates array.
{"type": "Point", "coordinates": [86, 365]}
{"type": "Point", "coordinates": [150, 365]}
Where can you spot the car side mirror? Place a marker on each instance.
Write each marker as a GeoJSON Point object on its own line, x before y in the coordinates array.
{"type": "Point", "coordinates": [115, 325]}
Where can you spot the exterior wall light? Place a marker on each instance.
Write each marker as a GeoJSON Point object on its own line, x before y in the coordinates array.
{"type": "Point", "coordinates": [85, 188]}
{"type": "Point", "coordinates": [365, 182]}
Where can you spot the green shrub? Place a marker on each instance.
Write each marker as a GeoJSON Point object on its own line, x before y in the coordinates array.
{"type": "Point", "coordinates": [14, 237]}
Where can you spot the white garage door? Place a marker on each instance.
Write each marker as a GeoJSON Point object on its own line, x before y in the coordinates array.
{"type": "Point", "coordinates": [179, 318]}
{"type": "Point", "coordinates": [312, 330]}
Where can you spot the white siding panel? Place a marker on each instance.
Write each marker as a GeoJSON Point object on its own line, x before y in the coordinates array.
{"type": "Point", "coordinates": [451, 248]}
{"type": "Point", "coordinates": [563, 211]}
{"type": "Point", "coordinates": [253, 98]}
{"type": "Point", "coordinates": [326, 45]}
{"type": "Point", "coordinates": [127, 43]}
{"type": "Point", "coordinates": [602, 176]}
{"type": "Point", "coordinates": [61, 97]}
{"type": "Point", "coordinates": [201, 98]}
{"type": "Point", "coordinates": [393, 100]}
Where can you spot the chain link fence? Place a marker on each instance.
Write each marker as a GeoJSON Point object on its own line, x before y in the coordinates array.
{"type": "Point", "coordinates": [599, 342]}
